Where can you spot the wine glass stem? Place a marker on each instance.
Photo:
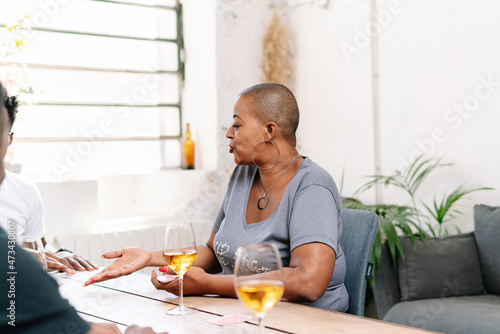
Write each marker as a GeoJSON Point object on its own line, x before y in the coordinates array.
{"type": "Point", "coordinates": [181, 301]}
{"type": "Point", "coordinates": [261, 323]}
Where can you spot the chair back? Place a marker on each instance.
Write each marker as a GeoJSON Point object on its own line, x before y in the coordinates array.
{"type": "Point", "coordinates": [359, 229]}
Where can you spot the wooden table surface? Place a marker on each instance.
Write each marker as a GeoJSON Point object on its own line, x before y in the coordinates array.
{"type": "Point", "coordinates": [134, 300]}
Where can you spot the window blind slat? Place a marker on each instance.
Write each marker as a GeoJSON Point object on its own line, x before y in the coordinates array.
{"type": "Point", "coordinates": [96, 122]}
{"type": "Point", "coordinates": [101, 87]}
{"type": "Point", "coordinates": [94, 17]}
{"type": "Point", "coordinates": [62, 49]}
{"type": "Point", "coordinates": [65, 161]}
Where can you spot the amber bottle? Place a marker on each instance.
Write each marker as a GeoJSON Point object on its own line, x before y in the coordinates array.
{"type": "Point", "coordinates": [188, 150]}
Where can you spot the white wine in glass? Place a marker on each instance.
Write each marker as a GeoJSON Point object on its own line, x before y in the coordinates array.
{"type": "Point", "coordinates": [258, 275]}
{"type": "Point", "coordinates": [179, 253]}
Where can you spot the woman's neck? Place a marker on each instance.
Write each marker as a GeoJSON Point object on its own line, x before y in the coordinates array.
{"type": "Point", "coordinates": [288, 164]}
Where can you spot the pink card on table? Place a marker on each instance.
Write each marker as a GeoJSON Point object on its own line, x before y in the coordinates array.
{"type": "Point", "coordinates": [166, 278]}
{"type": "Point", "coordinates": [230, 319]}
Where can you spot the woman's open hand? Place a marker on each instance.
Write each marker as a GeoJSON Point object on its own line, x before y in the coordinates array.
{"type": "Point", "coordinates": [129, 260]}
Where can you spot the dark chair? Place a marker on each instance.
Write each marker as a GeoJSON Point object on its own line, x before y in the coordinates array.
{"type": "Point", "coordinates": [359, 229]}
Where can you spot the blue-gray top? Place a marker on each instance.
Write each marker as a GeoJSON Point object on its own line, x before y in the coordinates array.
{"type": "Point", "coordinates": [310, 211]}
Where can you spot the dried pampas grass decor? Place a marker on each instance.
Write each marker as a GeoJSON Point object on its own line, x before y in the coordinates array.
{"type": "Point", "coordinates": [275, 61]}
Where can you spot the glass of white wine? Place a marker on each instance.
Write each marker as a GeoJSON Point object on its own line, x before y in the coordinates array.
{"type": "Point", "coordinates": [258, 275]}
{"type": "Point", "coordinates": [179, 253]}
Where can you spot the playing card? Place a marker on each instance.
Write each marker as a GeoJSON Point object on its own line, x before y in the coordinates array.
{"type": "Point", "coordinates": [230, 319]}
{"type": "Point", "coordinates": [166, 278]}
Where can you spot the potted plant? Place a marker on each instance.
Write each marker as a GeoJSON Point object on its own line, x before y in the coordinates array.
{"type": "Point", "coordinates": [410, 219]}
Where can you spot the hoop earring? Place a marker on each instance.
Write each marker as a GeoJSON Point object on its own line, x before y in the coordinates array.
{"type": "Point", "coordinates": [279, 154]}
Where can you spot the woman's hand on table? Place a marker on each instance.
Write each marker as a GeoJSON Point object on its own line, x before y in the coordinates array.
{"type": "Point", "coordinates": [194, 282]}
{"type": "Point", "coordinates": [129, 260]}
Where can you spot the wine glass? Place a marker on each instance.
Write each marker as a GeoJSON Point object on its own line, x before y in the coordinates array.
{"type": "Point", "coordinates": [179, 253]}
{"type": "Point", "coordinates": [258, 275]}
{"type": "Point", "coordinates": [35, 248]}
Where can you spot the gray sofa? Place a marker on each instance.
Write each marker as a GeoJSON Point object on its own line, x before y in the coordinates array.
{"type": "Point", "coordinates": [449, 285]}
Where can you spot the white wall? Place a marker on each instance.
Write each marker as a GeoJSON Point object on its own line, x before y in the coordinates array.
{"type": "Point", "coordinates": [334, 95]}
{"type": "Point", "coordinates": [333, 91]}
{"type": "Point", "coordinates": [200, 88]}
{"type": "Point", "coordinates": [240, 28]}
{"type": "Point", "coordinates": [433, 55]}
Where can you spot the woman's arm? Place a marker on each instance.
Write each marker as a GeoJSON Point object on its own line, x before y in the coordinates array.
{"type": "Point", "coordinates": [206, 257]}
{"type": "Point", "coordinates": [134, 258]}
{"type": "Point", "coordinates": [198, 282]}
{"type": "Point", "coordinates": [314, 230]}
{"type": "Point", "coordinates": [306, 280]}
{"type": "Point", "coordinates": [310, 271]}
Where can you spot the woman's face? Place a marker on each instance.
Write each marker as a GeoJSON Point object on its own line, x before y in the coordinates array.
{"type": "Point", "coordinates": [244, 133]}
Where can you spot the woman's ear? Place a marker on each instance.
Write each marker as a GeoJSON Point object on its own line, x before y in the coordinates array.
{"type": "Point", "coordinates": [271, 130]}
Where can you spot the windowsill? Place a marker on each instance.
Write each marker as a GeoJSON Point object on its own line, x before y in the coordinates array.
{"type": "Point", "coordinates": [104, 202]}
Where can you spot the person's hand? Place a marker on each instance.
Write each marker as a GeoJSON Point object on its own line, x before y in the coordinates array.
{"type": "Point", "coordinates": [54, 262]}
{"type": "Point", "coordinates": [38, 257]}
{"type": "Point", "coordinates": [101, 328]}
{"type": "Point", "coordinates": [194, 282]}
{"type": "Point", "coordinates": [68, 262]}
{"type": "Point", "coordinates": [75, 262]}
{"type": "Point", "coordinates": [129, 260]}
{"type": "Point", "coordinates": [134, 329]}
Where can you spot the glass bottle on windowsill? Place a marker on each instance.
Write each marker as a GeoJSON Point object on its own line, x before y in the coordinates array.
{"type": "Point", "coordinates": [188, 150]}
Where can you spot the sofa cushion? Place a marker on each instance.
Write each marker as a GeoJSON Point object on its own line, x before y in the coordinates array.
{"type": "Point", "coordinates": [487, 233]}
{"type": "Point", "coordinates": [440, 267]}
{"type": "Point", "coordinates": [456, 315]}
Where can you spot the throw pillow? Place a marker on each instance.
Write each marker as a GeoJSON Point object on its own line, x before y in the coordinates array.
{"type": "Point", "coordinates": [487, 230]}
{"type": "Point", "coordinates": [440, 267]}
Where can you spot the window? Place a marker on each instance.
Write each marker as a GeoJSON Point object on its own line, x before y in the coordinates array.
{"type": "Point", "coordinates": [107, 79]}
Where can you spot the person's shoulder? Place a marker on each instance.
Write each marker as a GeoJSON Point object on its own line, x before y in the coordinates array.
{"type": "Point", "coordinates": [19, 183]}
{"type": "Point", "coordinates": [242, 172]}
{"type": "Point", "coordinates": [311, 175]}
{"type": "Point", "coordinates": [314, 174]}
{"type": "Point", "coordinates": [18, 179]}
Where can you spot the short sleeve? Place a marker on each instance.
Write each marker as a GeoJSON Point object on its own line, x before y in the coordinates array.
{"type": "Point", "coordinates": [221, 214]}
{"type": "Point", "coordinates": [314, 218]}
{"type": "Point", "coordinates": [35, 225]}
{"type": "Point", "coordinates": [219, 217]}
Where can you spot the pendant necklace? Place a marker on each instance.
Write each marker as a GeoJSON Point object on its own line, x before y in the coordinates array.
{"type": "Point", "coordinates": [264, 196]}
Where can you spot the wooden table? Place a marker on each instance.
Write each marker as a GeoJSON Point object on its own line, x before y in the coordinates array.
{"type": "Point", "coordinates": [134, 300]}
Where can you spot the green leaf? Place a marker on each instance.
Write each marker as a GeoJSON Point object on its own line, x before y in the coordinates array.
{"type": "Point", "coordinates": [443, 210]}
{"type": "Point", "coordinates": [431, 229]}
{"type": "Point", "coordinates": [423, 170]}
{"type": "Point", "coordinates": [377, 250]}
{"type": "Point", "coordinates": [392, 238]}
